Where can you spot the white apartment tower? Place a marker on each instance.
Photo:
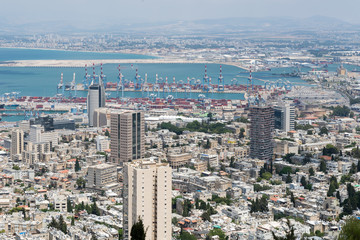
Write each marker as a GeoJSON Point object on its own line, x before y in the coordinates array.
{"type": "Point", "coordinates": [95, 99]}
{"type": "Point", "coordinates": [147, 194]}
{"type": "Point", "coordinates": [127, 136]}
{"type": "Point", "coordinates": [284, 117]}
{"type": "Point", "coordinates": [17, 144]}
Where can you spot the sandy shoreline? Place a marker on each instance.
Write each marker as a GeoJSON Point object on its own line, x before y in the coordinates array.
{"type": "Point", "coordinates": [82, 63]}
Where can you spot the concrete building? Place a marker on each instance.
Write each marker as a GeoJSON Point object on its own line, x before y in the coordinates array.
{"type": "Point", "coordinates": [35, 133]}
{"type": "Point", "coordinates": [102, 143]}
{"type": "Point", "coordinates": [284, 117]}
{"type": "Point", "coordinates": [179, 160]}
{"type": "Point", "coordinates": [127, 136]}
{"type": "Point", "coordinates": [17, 144]}
{"type": "Point", "coordinates": [101, 117]}
{"type": "Point", "coordinates": [261, 131]}
{"type": "Point", "coordinates": [102, 177]}
{"type": "Point", "coordinates": [38, 134]}
{"type": "Point", "coordinates": [95, 99]}
{"type": "Point", "coordinates": [147, 194]}
{"type": "Point", "coordinates": [34, 152]}
{"type": "Point", "coordinates": [211, 160]}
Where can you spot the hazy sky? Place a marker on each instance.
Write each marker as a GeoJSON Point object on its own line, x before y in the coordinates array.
{"type": "Point", "coordinates": [91, 11]}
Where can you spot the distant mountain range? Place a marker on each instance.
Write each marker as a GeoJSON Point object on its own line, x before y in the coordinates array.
{"type": "Point", "coordinates": [206, 26]}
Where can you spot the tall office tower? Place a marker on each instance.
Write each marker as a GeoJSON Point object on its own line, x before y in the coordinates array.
{"type": "Point", "coordinates": [284, 117]}
{"type": "Point", "coordinates": [35, 133]}
{"type": "Point", "coordinates": [17, 144]}
{"type": "Point", "coordinates": [127, 136]}
{"type": "Point", "coordinates": [95, 99]}
{"type": "Point", "coordinates": [147, 194]}
{"type": "Point", "coordinates": [261, 130]}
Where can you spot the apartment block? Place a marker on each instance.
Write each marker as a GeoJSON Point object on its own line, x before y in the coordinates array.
{"type": "Point", "coordinates": [147, 194]}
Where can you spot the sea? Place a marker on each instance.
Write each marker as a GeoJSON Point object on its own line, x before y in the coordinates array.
{"type": "Point", "coordinates": [43, 81]}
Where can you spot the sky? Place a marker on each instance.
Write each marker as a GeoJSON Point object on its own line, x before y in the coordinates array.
{"type": "Point", "coordinates": [99, 12]}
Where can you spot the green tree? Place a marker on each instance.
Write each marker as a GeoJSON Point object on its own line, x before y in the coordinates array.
{"type": "Point", "coordinates": [69, 206]}
{"type": "Point", "coordinates": [120, 233]}
{"type": "Point", "coordinates": [107, 133]}
{"type": "Point", "coordinates": [138, 231]}
{"type": "Point", "coordinates": [186, 208]}
{"type": "Point", "coordinates": [206, 216]}
{"type": "Point", "coordinates": [323, 131]}
{"type": "Point", "coordinates": [77, 165]}
{"type": "Point", "coordinates": [242, 133]}
{"type": "Point", "coordinates": [303, 181]}
{"type": "Point", "coordinates": [289, 234]}
{"type": "Point", "coordinates": [311, 171]}
{"type": "Point", "coordinates": [322, 166]}
{"type": "Point", "coordinates": [288, 178]}
{"type": "Point", "coordinates": [330, 149]}
{"type": "Point", "coordinates": [331, 190]}
{"type": "Point", "coordinates": [80, 182]}
{"type": "Point", "coordinates": [62, 224]}
{"type": "Point", "coordinates": [16, 167]}
{"type": "Point", "coordinates": [292, 198]}
{"type": "Point", "coordinates": [72, 221]}
{"type": "Point", "coordinates": [266, 175]}
{"type": "Point", "coordinates": [53, 223]}
{"type": "Point", "coordinates": [351, 229]}
{"type": "Point", "coordinates": [339, 111]}
{"type": "Point", "coordinates": [184, 235]}
{"type": "Point", "coordinates": [94, 209]}
{"type": "Point", "coordinates": [217, 232]}
{"type": "Point", "coordinates": [353, 169]}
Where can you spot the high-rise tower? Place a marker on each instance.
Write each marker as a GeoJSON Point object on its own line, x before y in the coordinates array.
{"type": "Point", "coordinates": [261, 131]}
{"type": "Point", "coordinates": [147, 195]}
{"type": "Point", "coordinates": [127, 136]}
{"type": "Point", "coordinates": [95, 99]}
{"type": "Point", "coordinates": [17, 144]}
{"type": "Point", "coordinates": [284, 117]}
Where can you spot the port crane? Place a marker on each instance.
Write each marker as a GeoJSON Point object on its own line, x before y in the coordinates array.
{"type": "Point", "coordinates": [61, 85]}
{"type": "Point", "coordinates": [120, 85]}
{"type": "Point", "coordinates": [221, 85]}
{"type": "Point", "coordinates": [205, 81]}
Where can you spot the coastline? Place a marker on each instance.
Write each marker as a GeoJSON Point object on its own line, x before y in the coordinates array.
{"type": "Point", "coordinates": [82, 63]}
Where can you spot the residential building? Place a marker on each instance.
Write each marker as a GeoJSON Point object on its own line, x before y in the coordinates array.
{"type": "Point", "coordinates": [284, 117]}
{"type": "Point", "coordinates": [17, 144]}
{"type": "Point", "coordinates": [147, 195]}
{"type": "Point", "coordinates": [261, 131]}
{"type": "Point", "coordinates": [102, 143]}
{"type": "Point", "coordinates": [102, 177]}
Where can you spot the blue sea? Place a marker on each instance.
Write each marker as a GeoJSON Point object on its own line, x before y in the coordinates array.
{"type": "Point", "coordinates": [42, 81]}
{"type": "Point", "coordinates": [12, 54]}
